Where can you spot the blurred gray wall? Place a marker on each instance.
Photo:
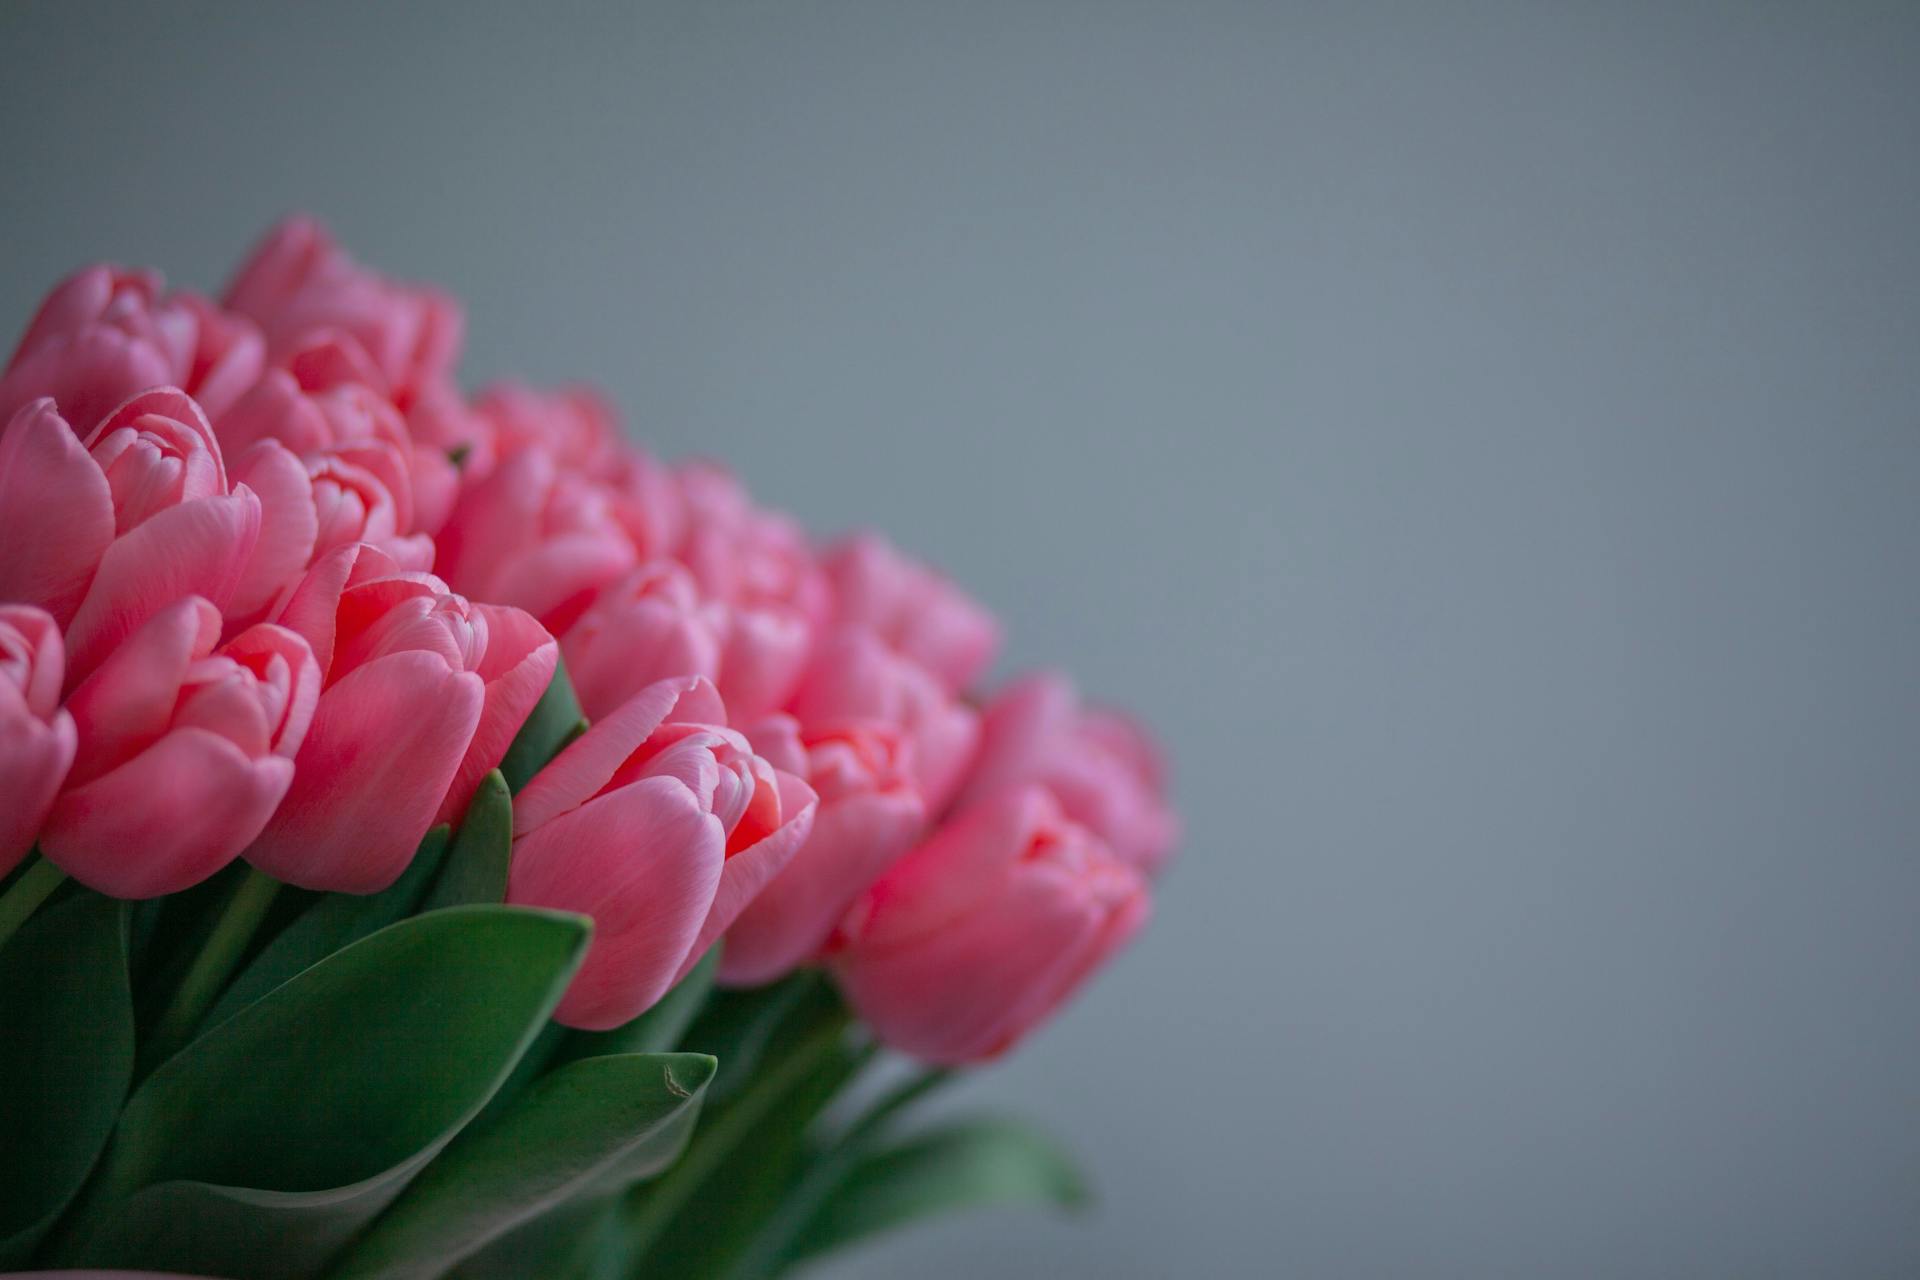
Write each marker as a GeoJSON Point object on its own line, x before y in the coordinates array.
{"type": "Point", "coordinates": [1484, 440]}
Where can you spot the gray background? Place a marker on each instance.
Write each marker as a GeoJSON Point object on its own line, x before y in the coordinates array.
{"type": "Point", "coordinates": [1486, 443]}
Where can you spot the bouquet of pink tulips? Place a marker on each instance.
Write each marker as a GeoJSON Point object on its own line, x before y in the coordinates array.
{"type": "Point", "coordinates": [438, 838]}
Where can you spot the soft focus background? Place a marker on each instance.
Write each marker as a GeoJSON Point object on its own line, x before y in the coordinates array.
{"type": "Point", "coordinates": [1485, 443]}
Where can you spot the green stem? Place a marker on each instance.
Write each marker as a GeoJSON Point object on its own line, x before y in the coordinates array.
{"type": "Point", "coordinates": [208, 975]}
{"type": "Point", "coordinates": [653, 1210]}
{"type": "Point", "coordinates": [35, 885]}
{"type": "Point", "coordinates": [768, 1253]}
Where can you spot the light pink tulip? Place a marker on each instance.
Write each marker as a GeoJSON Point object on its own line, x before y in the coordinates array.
{"type": "Point", "coordinates": [662, 825]}
{"type": "Point", "coordinates": [1102, 767]}
{"type": "Point", "coordinates": [103, 536]}
{"type": "Point", "coordinates": [423, 695]}
{"type": "Point", "coordinates": [650, 625]}
{"type": "Point", "coordinates": [911, 607]}
{"type": "Point", "coordinates": [976, 937]}
{"type": "Point", "coordinates": [870, 814]}
{"type": "Point", "coordinates": [535, 536]}
{"type": "Point", "coordinates": [106, 333]}
{"type": "Point", "coordinates": [184, 751]}
{"type": "Point", "coordinates": [299, 286]}
{"type": "Point", "coordinates": [36, 733]}
{"type": "Point", "coordinates": [855, 677]}
{"type": "Point", "coordinates": [575, 425]}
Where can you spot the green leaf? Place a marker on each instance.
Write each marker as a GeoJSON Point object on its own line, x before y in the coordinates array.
{"type": "Point", "coordinates": [964, 1165]}
{"type": "Point", "coordinates": [738, 1027]}
{"type": "Point", "coordinates": [581, 1240]}
{"type": "Point", "coordinates": [555, 721]}
{"type": "Point", "coordinates": [626, 1116]}
{"type": "Point", "coordinates": [66, 1060]}
{"type": "Point", "coordinates": [476, 867]}
{"type": "Point", "coordinates": [331, 923]}
{"type": "Point", "coordinates": [265, 1145]}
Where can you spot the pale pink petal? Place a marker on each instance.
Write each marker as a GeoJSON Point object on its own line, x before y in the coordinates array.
{"type": "Point", "coordinates": [750, 870]}
{"type": "Point", "coordinates": [56, 512]}
{"type": "Point", "coordinates": [590, 761]}
{"type": "Point", "coordinates": [517, 668]}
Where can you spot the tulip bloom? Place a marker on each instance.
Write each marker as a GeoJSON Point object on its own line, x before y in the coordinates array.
{"type": "Point", "coordinates": [857, 677]}
{"type": "Point", "coordinates": [423, 694]}
{"type": "Point", "coordinates": [984, 931]}
{"type": "Point", "coordinates": [649, 626]}
{"type": "Point", "coordinates": [106, 333]}
{"type": "Point", "coordinates": [1100, 766]}
{"type": "Point", "coordinates": [102, 535]}
{"type": "Point", "coordinates": [184, 751]}
{"type": "Point", "coordinates": [36, 733]}
{"type": "Point", "coordinates": [662, 825]}
{"type": "Point", "coordinates": [912, 608]}
{"type": "Point", "coordinates": [870, 814]}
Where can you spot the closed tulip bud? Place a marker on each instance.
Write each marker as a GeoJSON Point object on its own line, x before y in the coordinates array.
{"type": "Point", "coordinates": [857, 677]}
{"type": "Point", "coordinates": [870, 814]}
{"type": "Point", "coordinates": [104, 535]}
{"type": "Point", "coordinates": [980, 934]}
{"type": "Point", "coordinates": [912, 608]}
{"type": "Point", "coordinates": [1102, 768]}
{"type": "Point", "coordinates": [662, 825]}
{"type": "Point", "coordinates": [184, 750]}
{"type": "Point", "coordinates": [423, 694]}
{"type": "Point", "coordinates": [36, 733]}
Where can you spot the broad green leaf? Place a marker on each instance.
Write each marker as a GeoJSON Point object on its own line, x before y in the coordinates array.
{"type": "Point", "coordinates": [66, 1059]}
{"type": "Point", "coordinates": [331, 923]}
{"type": "Point", "coordinates": [265, 1145]}
{"type": "Point", "coordinates": [957, 1166]}
{"type": "Point", "coordinates": [581, 1240]}
{"type": "Point", "coordinates": [476, 866]}
{"type": "Point", "coordinates": [555, 721]}
{"type": "Point", "coordinates": [737, 1027]}
{"type": "Point", "coordinates": [627, 1115]}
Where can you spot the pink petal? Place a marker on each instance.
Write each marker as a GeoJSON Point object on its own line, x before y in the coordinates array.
{"type": "Point", "coordinates": [750, 870]}
{"type": "Point", "coordinates": [589, 763]}
{"type": "Point", "coordinates": [34, 757]}
{"type": "Point", "coordinates": [288, 525]}
{"type": "Point", "coordinates": [518, 667]}
{"type": "Point", "coordinates": [128, 702]}
{"type": "Point", "coordinates": [56, 512]}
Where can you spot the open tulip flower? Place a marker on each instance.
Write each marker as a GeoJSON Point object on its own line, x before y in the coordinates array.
{"type": "Point", "coordinates": [438, 837]}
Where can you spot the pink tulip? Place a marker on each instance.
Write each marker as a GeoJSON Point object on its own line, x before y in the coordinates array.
{"type": "Point", "coordinates": [856, 677]}
{"type": "Point", "coordinates": [103, 536]}
{"type": "Point", "coordinates": [36, 734]}
{"type": "Point", "coordinates": [106, 333]}
{"type": "Point", "coordinates": [870, 814]}
{"type": "Point", "coordinates": [423, 694]}
{"type": "Point", "coordinates": [575, 425]}
{"type": "Point", "coordinates": [300, 286]}
{"type": "Point", "coordinates": [976, 937]}
{"type": "Point", "coordinates": [649, 626]}
{"type": "Point", "coordinates": [535, 536]}
{"type": "Point", "coordinates": [183, 751]}
{"type": "Point", "coordinates": [662, 825]}
{"type": "Point", "coordinates": [1102, 767]}
{"type": "Point", "coordinates": [914, 609]}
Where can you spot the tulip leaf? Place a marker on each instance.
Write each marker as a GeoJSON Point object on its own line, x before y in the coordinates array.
{"type": "Point", "coordinates": [332, 922]}
{"type": "Point", "coordinates": [554, 721]}
{"type": "Point", "coordinates": [583, 1239]}
{"type": "Point", "coordinates": [66, 1063]}
{"type": "Point", "coordinates": [263, 1147]}
{"type": "Point", "coordinates": [964, 1165]}
{"type": "Point", "coordinates": [476, 865]}
{"type": "Point", "coordinates": [626, 1115]}
{"type": "Point", "coordinates": [738, 1027]}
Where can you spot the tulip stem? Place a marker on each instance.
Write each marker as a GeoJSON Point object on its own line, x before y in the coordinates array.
{"type": "Point", "coordinates": [35, 885]}
{"type": "Point", "coordinates": [208, 975]}
{"type": "Point", "coordinates": [653, 1209]}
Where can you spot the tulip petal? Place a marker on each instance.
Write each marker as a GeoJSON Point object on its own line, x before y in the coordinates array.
{"type": "Point", "coordinates": [517, 668]}
{"type": "Point", "coordinates": [288, 525]}
{"type": "Point", "coordinates": [125, 705]}
{"type": "Point", "coordinates": [56, 512]}
{"type": "Point", "coordinates": [34, 758]}
{"type": "Point", "coordinates": [589, 763]}
{"type": "Point", "coordinates": [751, 869]}
{"type": "Point", "coordinates": [644, 861]}
{"type": "Point", "coordinates": [167, 819]}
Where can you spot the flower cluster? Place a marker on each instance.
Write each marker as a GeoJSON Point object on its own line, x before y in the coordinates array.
{"type": "Point", "coordinates": [273, 587]}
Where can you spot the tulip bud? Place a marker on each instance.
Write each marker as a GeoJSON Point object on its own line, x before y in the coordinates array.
{"type": "Point", "coordinates": [183, 751]}
{"type": "Point", "coordinates": [662, 825]}
{"type": "Point", "coordinates": [984, 931]}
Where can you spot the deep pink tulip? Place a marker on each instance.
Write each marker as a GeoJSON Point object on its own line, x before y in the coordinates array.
{"type": "Point", "coordinates": [870, 814]}
{"type": "Point", "coordinates": [104, 535]}
{"type": "Point", "coordinates": [106, 333]}
{"type": "Point", "coordinates": [299, 286]}
{"type": "Point", "coordinates": [662, 825]}
{"type": "Point", "coordinates": [1101, 766]}
{"type": "Point", "coordinates": [36, 733]}
{"type": "Point", "coordinates": [184, 750]}
{"type": "Point", "coordinates": [856, 677]}
{"type": "Point", "coordinates": [913, 608]}
{"type": "Point", "coordinates": [981, 933]}
{"type": "Point", "coordinates": [537, 537]}
{"type": "Point", "coordinates": [423, 694]}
